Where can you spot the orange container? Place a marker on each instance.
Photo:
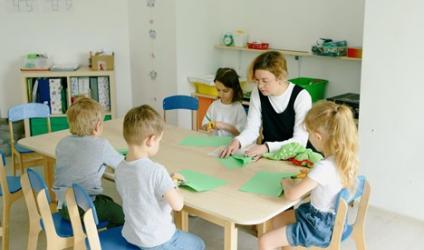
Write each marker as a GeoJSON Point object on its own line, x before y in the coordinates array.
{"type": "Point", "coordinates": [354, 52]}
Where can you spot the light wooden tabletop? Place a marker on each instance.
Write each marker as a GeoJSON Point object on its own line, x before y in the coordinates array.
{"type": "Point", "coordinates": [225, 202]}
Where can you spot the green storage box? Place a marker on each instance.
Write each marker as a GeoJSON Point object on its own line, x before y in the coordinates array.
{"type": "Point", "coordinates": [315, 87]}
{"type": "Point", "coordinates": [38, 126]}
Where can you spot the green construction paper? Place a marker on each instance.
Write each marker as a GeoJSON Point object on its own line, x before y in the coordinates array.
{"type": "Point", "coordinates": [199, 182]}
{"type": "Point", "coordinates": [243, 159]}
{"type": "Point", "coordinates": [206, 140]}
{"type": "Point", "coordinates": [266, 183]}
{"type": "Point", "coordinates": [230, 162]}
{"type": "Point", "coordinates": [235, 161]}
{"type": "Point", "coordinates": [123, 151]}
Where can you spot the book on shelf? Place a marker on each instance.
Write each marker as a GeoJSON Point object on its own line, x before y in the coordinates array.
{"type": "Point", "coordinates": [96, 88]}
{"type": "Point", "coordinates": [56, 105]}
{"type": "Point", "coordinates": [104, 93]}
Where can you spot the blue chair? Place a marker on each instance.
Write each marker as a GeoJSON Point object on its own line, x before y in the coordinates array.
{"type": "Point", "coordinates": [107, 239]}
{"type": "Point", "coordinates": [182, 102]}
{"type": "Point", "coordinates": [342, 229]}
{"type": "Point", "coordinates": [10, 192]}
{"type": "Point", "coordinates": [21, 156]}
{"type": "Point", "coordinates": [58, 231]}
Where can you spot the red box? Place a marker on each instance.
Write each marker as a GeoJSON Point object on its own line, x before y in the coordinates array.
{"type": "Point", "coordinates": [354, 52]}
{"type": "Point", "coordinates": [255, 45]}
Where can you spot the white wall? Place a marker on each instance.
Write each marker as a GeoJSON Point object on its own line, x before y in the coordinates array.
{"type": "Point", "coordinates": [296, 25]}
{"type": "Point", "coordinates": [197, 32]}
{"type": "Point", "coordinates": [67, 37]}
{"type": "Point", "coordinates": [391, 119]}
{"type": "Point", "coordinates": [145, 89]}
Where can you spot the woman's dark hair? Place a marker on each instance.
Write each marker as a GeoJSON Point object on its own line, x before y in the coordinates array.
{"type": "Point", "coordinates": [230, 79]}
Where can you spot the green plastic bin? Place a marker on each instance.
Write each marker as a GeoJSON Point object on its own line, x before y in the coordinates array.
{"type": "Point", "coordinates": [38, 126]}
{"type": "Point", "coordinates": [315, 87]}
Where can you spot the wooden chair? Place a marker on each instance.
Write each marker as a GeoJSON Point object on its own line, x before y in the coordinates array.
{"type": "Point", "coordinates": [182, 102]}
{"type": "Point", "coordinates": [111, 239]}
{"type": "Point", "coordinates": [21, 156]}
{"type": "Point", "coordinates": [342, 229]}
{"type": "Point", "coordinates": [10, 191]}
{"type": "Point", "coordinates": [58, 231]}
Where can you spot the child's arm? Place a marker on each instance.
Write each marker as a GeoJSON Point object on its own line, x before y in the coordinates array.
{"type": "Point", "coordinates": [228, 127]}
{"type": "Point", "coordinates": [111, 157]}
{"type": "Point", "coordinates": [175, 199]}
{"type": "Point", "coordinates": [294, 191]}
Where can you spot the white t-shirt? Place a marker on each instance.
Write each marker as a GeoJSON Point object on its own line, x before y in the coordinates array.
{"type": "Point", "coordinates": [233, 114]}
{"type": "Point", "coordinates": [142, 185]}
{"type": "Point", "coordinates": [324, 196]}
{"type": "Point", "coordinates": [302, 105]}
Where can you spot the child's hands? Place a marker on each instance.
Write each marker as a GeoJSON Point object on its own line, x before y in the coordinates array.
{"type": "Point", "coordinates": [302, 174]}
{"type": "Point", "coordinates": [230, 149]}
{"type": "Point", "coordinates": [211, 126]}
{"type": "Point", "coordinates": [256, 151]}
{"type": "Point", "coordinates": [177, 178]}
{"type": "Point", "coordinates": [286, 182]}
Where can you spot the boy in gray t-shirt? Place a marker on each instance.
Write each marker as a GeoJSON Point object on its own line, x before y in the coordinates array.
{"type": "Point", "coordinates": [148, 192]}
{"type": "Point", "coordinates": [82, 158]}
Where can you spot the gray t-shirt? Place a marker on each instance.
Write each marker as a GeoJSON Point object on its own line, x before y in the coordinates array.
{"type": "Point", "coordinates": [142, 185]}
{"type": "Point", "coordinates": [82, 160]}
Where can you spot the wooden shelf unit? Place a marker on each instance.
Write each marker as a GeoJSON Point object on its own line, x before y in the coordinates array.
{"type": "Point", "coordinates": [285, 52]}
{"type": "Point", "coordinates": [67, 75]}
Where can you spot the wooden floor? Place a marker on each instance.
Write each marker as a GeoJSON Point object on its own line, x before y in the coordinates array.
{"type": "Point", "coordinates": [384, 230]}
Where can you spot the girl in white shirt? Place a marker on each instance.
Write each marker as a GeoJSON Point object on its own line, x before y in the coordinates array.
{"type": "Point", "coordinates": [333, 132]}
{"type": "Point", "coordinates": [226, 116]}
{"type": "Point", "coordinates": [276, 105]}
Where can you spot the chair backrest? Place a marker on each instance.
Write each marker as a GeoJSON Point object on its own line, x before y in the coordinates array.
{"type": "Point", "coordinates": [28, 110]}
{"type": "Point", "coordinates": [181, 102]}
{"type": "Point", "coordinates": [84, 201]}
{"type": "Point", "coordinates": [37, 183]}
{"type": "Point", "coordinates": [31, 204]}
{"type": "Point", "coordinates": [77, 197]}
{"type": "Point", "coordinates": [342, 229]}
{"type": "Point", "coordinates": [3, 179]}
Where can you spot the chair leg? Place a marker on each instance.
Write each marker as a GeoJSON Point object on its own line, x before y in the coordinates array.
{"type": "Point", "coordinates": [21, 165]}
{"type": "Point", "coordinates": [33, 233]}
{"type": "Point", "coordinates": [5, 222]}
{"type": "Point", "coordinates": [14, 163]}
{"type": "Point", "coordinates": [358, 237]}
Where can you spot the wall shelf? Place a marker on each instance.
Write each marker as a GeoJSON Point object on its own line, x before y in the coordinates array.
{"type": "Point", "coordinates": [285, 52]}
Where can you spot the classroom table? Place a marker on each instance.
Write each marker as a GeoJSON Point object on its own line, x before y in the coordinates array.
{"type": "Point", "coordinates": [225, 206]}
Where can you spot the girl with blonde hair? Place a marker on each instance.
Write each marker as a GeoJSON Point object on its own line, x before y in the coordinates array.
{"type": "Point", "coordinates": [333, 132]}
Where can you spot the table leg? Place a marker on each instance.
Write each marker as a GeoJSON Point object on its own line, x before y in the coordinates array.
{"type": "Point", "coordinates": [50, 177]}
{"type": "Point", "coordinates": [181, 220]}
{"type": "Point", "coordinates": [264, 228]}
{"type": "Point", "coordinates": [230, 236]}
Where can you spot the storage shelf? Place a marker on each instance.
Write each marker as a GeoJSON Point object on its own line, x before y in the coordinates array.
{"type": "Point", "coordinates": [82, 71]}
{"type": "Point", "coordinates": [67, 77]}
{"type": "Point", "coordinates": [285, 52]}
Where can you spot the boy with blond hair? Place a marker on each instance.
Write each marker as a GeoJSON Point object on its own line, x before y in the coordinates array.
{"type": "Point", "coordinates": [82, 158]}
{"type": "Point", "coordinates": [148, 192]}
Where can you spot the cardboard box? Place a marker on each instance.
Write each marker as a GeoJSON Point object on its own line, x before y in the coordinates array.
{"type": "Point", "coordinates": [101, 61]}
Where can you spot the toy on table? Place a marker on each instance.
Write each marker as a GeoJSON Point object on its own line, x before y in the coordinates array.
{"type": "Point", "coordinates": [295, 153]}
